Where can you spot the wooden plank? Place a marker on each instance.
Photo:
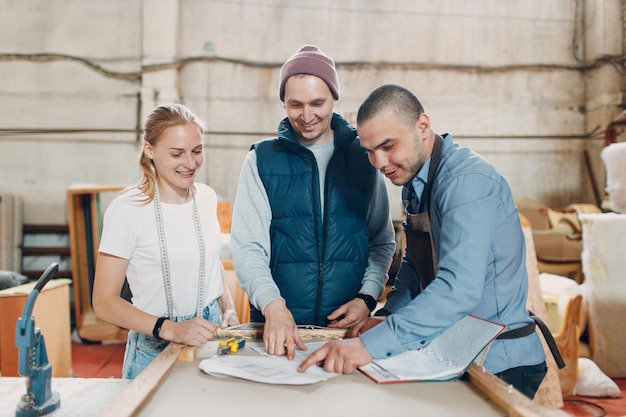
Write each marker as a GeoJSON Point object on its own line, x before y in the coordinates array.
{"type": "Point", "coordinates": [95, 224]}
{"type": "Point", "coordinates": [254, 331]}
{"type": "Point", "coordinates": [508, 398]}
{"type": "Point", "coordinates": [93, 188]}
{"type": "Point", "coordinates": [568, 341]}
{"type": "Point", "coordinates": [549, 393]}
{"type": "Point", "coordinates": [74, 237]}
{"type": "Point", "coordinates": [188, 354]}
{"type": "Point", "coordinates": [142, 387]}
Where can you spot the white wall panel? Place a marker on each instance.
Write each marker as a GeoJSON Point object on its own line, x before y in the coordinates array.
{"type": "Point", "coordinates": [501, 76]}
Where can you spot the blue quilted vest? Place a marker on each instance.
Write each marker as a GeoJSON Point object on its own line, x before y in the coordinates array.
{"type": "Point", "coordinates": [317, 261]}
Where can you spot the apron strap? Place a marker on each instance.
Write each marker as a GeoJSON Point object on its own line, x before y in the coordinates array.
{"type": "Point", "coordinates": [545, 331]}
{"type": "Point", "coordinates": [420, 244]}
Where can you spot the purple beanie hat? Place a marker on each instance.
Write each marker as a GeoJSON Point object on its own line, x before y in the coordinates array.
{"type": "Point", "coordinates": [310, 60]}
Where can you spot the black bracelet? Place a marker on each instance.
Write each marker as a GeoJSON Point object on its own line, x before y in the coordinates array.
{"type": "Point", "coordinates": [370, 301]}
{"type": "Point", "coordinates": [157, 327]}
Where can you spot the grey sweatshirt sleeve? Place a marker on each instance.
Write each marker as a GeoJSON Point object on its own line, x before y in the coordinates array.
{"type": "Point", "coordinates": [382, 242]}
{"type": "Point", "coordinates": [250, 237]}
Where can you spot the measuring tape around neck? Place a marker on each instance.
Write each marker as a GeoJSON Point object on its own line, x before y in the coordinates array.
{"type": "Point", "coordinates": [167, 278]}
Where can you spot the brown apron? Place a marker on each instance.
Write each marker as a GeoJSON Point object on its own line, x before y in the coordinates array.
{"type": "Point", "coordinates": [419, 237]}
{"type": "Point", "coordinates": [421, 249]}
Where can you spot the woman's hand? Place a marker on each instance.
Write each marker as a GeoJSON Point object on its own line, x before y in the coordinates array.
{"type": "Point", "coordinates": [193, 332]}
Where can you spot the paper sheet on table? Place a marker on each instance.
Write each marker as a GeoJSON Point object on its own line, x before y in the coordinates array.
{"type": "Point", "coordinates": [266, 368]}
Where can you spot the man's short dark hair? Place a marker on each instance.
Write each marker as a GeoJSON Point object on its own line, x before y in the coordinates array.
{"type": "Point", "coordinates": [397, 99]}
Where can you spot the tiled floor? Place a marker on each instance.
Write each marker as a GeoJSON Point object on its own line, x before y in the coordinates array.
{"type": "Point", "coordinates": [105, 361]}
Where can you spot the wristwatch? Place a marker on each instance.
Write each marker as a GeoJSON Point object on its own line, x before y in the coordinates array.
{"type": "Point", "coordinates": [370, 301]}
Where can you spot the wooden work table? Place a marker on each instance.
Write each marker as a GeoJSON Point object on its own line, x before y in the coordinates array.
{"type": "Point", "coordinates": [188, 391]}
{"type": "Point", "coordinates": [80, 397]}
{"type": "Point", "coordinates": [344, 395]}
{"type": "Point", "coordinates": [171, 387]}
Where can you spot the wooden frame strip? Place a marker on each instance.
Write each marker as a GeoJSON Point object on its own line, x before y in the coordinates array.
{"type": "Point", "coordinates": [141, 388]}
{"type": "Point", "coordinates": [254, 331]}
{"type": "Point", "coordinates": [506, 397]}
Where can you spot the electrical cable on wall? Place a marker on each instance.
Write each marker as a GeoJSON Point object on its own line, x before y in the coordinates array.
{"type": "Point", "coordinates": [614, 60]}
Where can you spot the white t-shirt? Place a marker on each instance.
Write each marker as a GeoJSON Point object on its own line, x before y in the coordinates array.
{"type": "Point", "coordinates": [130, 232]}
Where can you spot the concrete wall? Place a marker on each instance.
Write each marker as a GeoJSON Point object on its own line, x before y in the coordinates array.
{"type": "Point", "coordinates": [516, 81]}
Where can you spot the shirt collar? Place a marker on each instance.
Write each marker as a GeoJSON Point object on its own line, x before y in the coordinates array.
{"type": "Point", "coordinates": [421, 178]}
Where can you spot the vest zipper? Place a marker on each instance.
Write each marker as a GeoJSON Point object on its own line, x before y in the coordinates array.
{"type": "Point", "coordinates": [320, 265]}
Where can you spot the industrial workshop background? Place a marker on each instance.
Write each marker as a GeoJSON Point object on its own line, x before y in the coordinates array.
{"type": "Point", "coordinates": [532, 85]}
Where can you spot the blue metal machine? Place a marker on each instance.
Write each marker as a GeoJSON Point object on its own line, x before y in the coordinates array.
{"type": "Point", "coordinates": [33, 358]}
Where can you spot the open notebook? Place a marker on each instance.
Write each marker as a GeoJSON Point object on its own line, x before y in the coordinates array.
{"type": "Point", "coordinates": [447, 357]}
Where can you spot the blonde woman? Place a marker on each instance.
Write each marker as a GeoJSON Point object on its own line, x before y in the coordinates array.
{"type": "Point", "coordinates": [162, 235]}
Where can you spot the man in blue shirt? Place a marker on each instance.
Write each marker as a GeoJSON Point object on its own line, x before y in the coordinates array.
{"type": "Point", "coordinates": [465, 248]}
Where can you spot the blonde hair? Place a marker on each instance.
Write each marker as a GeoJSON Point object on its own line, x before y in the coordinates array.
{"type": "Point", "coordinates": [164, 116]}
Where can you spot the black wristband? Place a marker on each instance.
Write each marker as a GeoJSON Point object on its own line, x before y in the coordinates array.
{"type": "Point", "coordinates": [370, 301]}
{"type": "Point", "coordinates": [157, 327]}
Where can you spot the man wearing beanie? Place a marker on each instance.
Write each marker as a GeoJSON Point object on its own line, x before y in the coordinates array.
{"type": "Point", "coordinates": [311, 237]}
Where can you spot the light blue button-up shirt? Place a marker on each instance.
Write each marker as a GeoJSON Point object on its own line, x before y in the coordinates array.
{"type": "Point", "coordinates": [419, 182]}
{"type": "Point", "coordinates": [481, 256]}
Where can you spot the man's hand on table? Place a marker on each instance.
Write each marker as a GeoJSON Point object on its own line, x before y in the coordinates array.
{"type": "Point", "coordinates": [365, 325]}
{"type": "Point", "coordinates": [339, 356]}
{"type": "Point", "coordinates": [280, 335]}
{"type": "Point", "coordinates": [348, 314]}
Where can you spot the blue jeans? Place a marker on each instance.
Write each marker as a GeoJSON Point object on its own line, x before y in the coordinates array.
{"type": "Point", "coordinates": [525, 379]}
{"type": "Point", "coordinates": [142, 349]}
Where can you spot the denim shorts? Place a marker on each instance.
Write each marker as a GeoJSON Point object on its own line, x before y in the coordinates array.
{"type": "Point", "coordinates": [142, 349]}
